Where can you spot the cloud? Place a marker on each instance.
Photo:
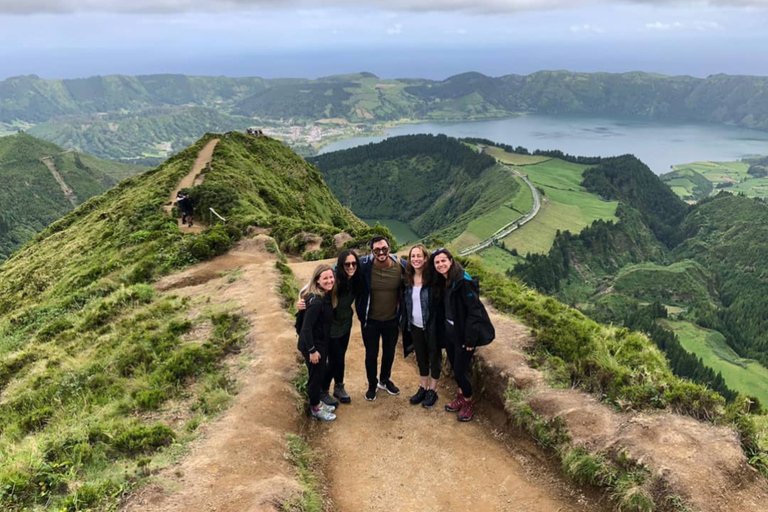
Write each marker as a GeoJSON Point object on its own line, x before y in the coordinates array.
{"type": "Point", "coordinates": [586, 29]}
{"type": "Point", "coordinates": [699, 26]}
{"type": "Point", "coordinates": [396, 30]}
{"type": "Point", "coordinates": [477, 6]}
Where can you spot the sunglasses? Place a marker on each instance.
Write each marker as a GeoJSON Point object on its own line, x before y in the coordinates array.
{"type": "Point", "coordinates": [380, 250]}
{"type": "Point", "coordinates": [350, 264]}
{"type": "Point", "coordinates": [438, 250]}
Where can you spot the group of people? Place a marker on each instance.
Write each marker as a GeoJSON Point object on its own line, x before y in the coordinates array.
{"type": "Point", "coordinates": [254, 132]}
{"type": "Point", "coordinates": [186, 206]}
{"type": "Point", "coordinates": [428, 298]}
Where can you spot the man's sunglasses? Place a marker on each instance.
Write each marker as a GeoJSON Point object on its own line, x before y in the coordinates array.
{"type": "Point", "coordinates": [380, 250]}
{"type": "Point", "coordinates": [350, 264]}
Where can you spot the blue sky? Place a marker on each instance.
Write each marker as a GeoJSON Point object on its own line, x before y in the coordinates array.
{"type": "Point", "coordinates": [395, 38]}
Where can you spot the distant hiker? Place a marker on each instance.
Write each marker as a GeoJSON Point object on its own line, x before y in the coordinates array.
{"type": "Point", "coordinates": [188, 211]}
{"type": "Point", "coordinates": [260, 133]}
{"type": "Point", "coordinates": [181, 205]}
{"type": "Point", "coordinates": [349, 282]}
{"type": "Point", "coordinates": [418, 319]}
{"type": "Point", "coordinates": [466, 325]}
{"type": "Point", "coordinates": [314, 338]}
{"type": "Point", "coordinates": [378, 308]}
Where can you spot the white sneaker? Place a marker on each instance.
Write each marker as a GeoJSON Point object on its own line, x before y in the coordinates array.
{"type": "Point", "coordinates": [321, 414]}
{"type": "Point", "coordinates": [327, 408]}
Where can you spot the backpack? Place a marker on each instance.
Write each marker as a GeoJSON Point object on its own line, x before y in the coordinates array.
{"type": "Point", "coordinates": [299, 320]}
{"type": "Point", "coordinates": [486, 333]}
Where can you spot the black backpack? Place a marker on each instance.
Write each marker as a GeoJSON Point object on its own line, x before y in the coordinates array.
{"type": "Point", "coordinates": [299, 320]}
{"type": "Point", "coordinates": [485, 329]}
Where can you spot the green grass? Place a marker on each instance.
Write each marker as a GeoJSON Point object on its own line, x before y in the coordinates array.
{"type": "Point", "coordinates": [682, 283]}
{"type": "Point", "coordinates": [743, 375]}
{"type": "Point", "coordinates": [498, 260]}
{"type": "Point", "coordinates": [515, 158]}
{"type": "Point", "coordinates": [717, 173]}
{"type": "Point", "coordinates": [302, 458]}
{"type": "Point", "coordinates": [568, 206]}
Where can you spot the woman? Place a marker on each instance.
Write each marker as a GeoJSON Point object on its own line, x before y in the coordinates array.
{"type": "Point", "coordinates": [348, 285]}
{"type": "Point", "coordinates": [417, 317]}
{"type": "Point", "coordinates": [320, 297]}
{"type": "Point", "coordinates": [466, 325]}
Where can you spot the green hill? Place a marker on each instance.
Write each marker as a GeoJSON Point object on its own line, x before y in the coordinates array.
{"type": "Point", "coordinates": [436, 184]}
{"type": "Point", "coordinates": [32, 196]}
{"type": "Point", "coordinates": [698, 180]}
{"type": "Point", "coordinates": [683, 283]}
{"type": "Point", "coordinates": [89, 350]}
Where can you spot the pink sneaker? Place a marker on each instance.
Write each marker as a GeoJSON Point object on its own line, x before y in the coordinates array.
{"type": "Point", "coordinates": [456, 405]}
{"type": "Point", "coordinates": [467, 411]}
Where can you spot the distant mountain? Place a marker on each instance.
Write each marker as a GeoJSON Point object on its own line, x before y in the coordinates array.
{"type": "Point", "coordinates": [42, 182]}
{"type": "Point", "coordinates": [94, 114]}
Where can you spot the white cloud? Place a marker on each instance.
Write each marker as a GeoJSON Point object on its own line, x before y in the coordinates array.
{"type": "Point", "coordinates": [586, 29]}
{"type": "Point", "coordinates": [396, 30]}
{"type": "Point", "coordinates": [664, 27]}
{"type": "Point", "coordinates": [478, 6]}
{"type": "Point", "coordinates": [699, 26]}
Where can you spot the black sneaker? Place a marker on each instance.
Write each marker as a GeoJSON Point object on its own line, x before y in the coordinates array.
{"type": "Point", "coordinates": [419, 396]}
{"type": "Point", "coordinates": [390, 387]}
{"type": "Point", "coordinates": [327, 399]}
{"type": "Point", "coordinates": [370, 395]}
{"type": "Point", "coordinates": [430, 399]}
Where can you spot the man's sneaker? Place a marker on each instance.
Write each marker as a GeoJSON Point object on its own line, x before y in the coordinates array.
{"type": "Point", "coordinates": [390, 387]}
{"type": "Point", "coordinates": [467, 411]}
{"type": "Point", "coordinates": [419, 396]}
{"type": "Point", "coordinates": [321, 414]}
{"type": "Point", "coordinates": [370, 395]}
{"type": "Point", "coordinates": [430, 399]}
{"type": "Point", "coordinates": [190, 224]}
{"type": "Point", "coordinates": [456, 405]}
{"type": "Point", "coordinates": [341, 393]}
{"type": "Point", "coordinates": [327, 399]}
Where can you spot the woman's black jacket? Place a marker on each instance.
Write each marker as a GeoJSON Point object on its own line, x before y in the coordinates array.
{"type": "Point", "coordinates": [316, 328]}
{"type": "Point", "coordinates": [470, 320]}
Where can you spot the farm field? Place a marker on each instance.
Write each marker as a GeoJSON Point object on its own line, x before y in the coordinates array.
{"type": "Point", "coordinates": [498, 260]}
{"type": "Point", "coordinates": [566, 206]}
{"type": "Point", "coordinates": [742, 375]}
{"type": "Point", "coordinates": [515, 158]}
{"type": "Point", "coordinates": [683, 183]}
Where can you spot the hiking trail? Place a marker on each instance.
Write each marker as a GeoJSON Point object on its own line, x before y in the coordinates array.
{"type": "Point", "coordinates": [65, 189]}
{"type": "Point", "coordinates": [194, 178]}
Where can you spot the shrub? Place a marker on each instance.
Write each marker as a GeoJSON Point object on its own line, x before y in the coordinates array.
{"type": "Point", "coordinates": [150, 399]}
{"type": "Point", "coordinates": [36, 419]}
{"type": "Point", "coordinates": [143, 439]}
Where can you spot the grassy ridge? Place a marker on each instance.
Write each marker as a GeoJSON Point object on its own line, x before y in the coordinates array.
{"type": "Point", "coordinates": [686, 180]}
{"type": "Point", "coordinates": [682, 283]}
{"type": "Point", "coordinates": [743, 375]}
{"type": "Point", "coordinates": [102, 378]}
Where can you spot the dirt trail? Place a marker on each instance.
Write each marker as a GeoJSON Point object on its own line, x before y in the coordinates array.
{"type": "Point", "coordinates": [195, 177]}
{"type": "Point", "coordinates": [388, 455]}
{"type": "Point", "coordinates": [238, 464]}
{"type": "Point", "coordinates": [65, 189]}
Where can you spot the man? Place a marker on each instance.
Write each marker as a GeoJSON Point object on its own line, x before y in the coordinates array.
{"type": "Point", "coordinates": [378, 309]}
{"type": "Point", "coordinates": [181, 204]}
{"type": "Point", "coordinates": [189, 209]}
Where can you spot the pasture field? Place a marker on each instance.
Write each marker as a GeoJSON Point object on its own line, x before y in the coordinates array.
{"type": "Point", "coordinates": [742, 375]}
{"type": "Point", "coordinates": [486, 225]}
{"type": "Point", "coordinates": [566, 206]}
{"type": "Point", "coordinates": [515, 158]}
{"type": "Point", "coordinates": [717, 173]}
{"type": "Point", "coordinates": [498, 260]}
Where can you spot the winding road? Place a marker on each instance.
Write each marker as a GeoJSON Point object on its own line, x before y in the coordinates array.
{"type": "Point", "coordinates": [515, 224]}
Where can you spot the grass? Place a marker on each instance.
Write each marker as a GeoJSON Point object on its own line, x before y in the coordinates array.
{"type": "Point", "coordinates": [302, 458]}
{"type": "Point", "coordinates": [498, 260]}
{"type": "Point", "coordinates": [683, 283]}
{"type": "Point", "coordinates": [743, 375]}
{"type": "Point", "coordinates": [567, 206]}
{"type": "Point", "coordinates": [717, 173]}
{"type": "Point", "coordinates": [515, 158]}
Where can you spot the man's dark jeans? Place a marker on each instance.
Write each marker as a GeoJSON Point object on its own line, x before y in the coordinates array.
{"type": "Point", "coordinates": [374, 331]}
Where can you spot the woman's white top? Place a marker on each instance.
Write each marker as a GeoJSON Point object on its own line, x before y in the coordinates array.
{"type": "Point", "coordinates": [416, 318]}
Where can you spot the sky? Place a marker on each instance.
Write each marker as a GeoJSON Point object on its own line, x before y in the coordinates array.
{"type": "Point", "coordinates": [391, 38]}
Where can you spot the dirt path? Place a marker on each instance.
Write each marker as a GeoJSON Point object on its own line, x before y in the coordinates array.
{"type": "Point", "coordinates": [65, 189]}
{"type": "Point", "coordinates": [193, 178]}
{"type": "Point", "coordinates": [238, 464]}
{"type": "Point", "coordinates": [388, 455]}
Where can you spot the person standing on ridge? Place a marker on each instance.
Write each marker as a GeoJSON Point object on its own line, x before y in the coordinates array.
{"type": "Point", "coordinates": [466, 325]}
{"type": "Point", "coordinates": [181, 206]}
{"type": "Point", "coordinates": [418, 319]}
{"type": "Point", "coordinates": [378, 308]}
{"type": "Point", "coordinates": [189, 209]}
{"type": "Point", "coordinates": [315, 335]}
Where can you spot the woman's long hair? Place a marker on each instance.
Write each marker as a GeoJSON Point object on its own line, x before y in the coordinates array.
{"type": "Point", "coordinates": [314, 287]}
{"type": "Point", "coordinates": [455, 273]}
{"type": "Point", "coordinates": [426, 269]}
{"type": "Point", "coordinates": [345, 284]}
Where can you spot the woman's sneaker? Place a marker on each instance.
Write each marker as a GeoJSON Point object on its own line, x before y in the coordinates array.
{"type": "Point", "coordinates": [370, 395]}
{"type": "Point", "coordinates": [467, 412]}
{"type": "Point", "coordinates": [430, 399]}
{"type": "Point", "coordinates": [419, 396]}
{"type": "Point", "coordinates": [456, 405]}
{"type": "Point", "coordinates": [389, 387]}
{"type": "Point", "coordinates": [321, 414]}
{"type": "Point", "coordinates": [340, 393]}
{"type": "Point", "coordinates": [327, 399]}
{"type": "Point", "coordinates": [327, 408]}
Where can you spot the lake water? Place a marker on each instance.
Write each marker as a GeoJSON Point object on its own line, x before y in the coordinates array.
{"type": "Point", "coordinates": [402, 231]}
{"type": "Point", "coordinates": [658, 144]}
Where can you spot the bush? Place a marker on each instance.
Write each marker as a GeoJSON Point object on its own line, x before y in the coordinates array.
{"type": "Point", "coordinates": [150, 399]}
{"type": "Point", "coordinates": [143, 439]}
